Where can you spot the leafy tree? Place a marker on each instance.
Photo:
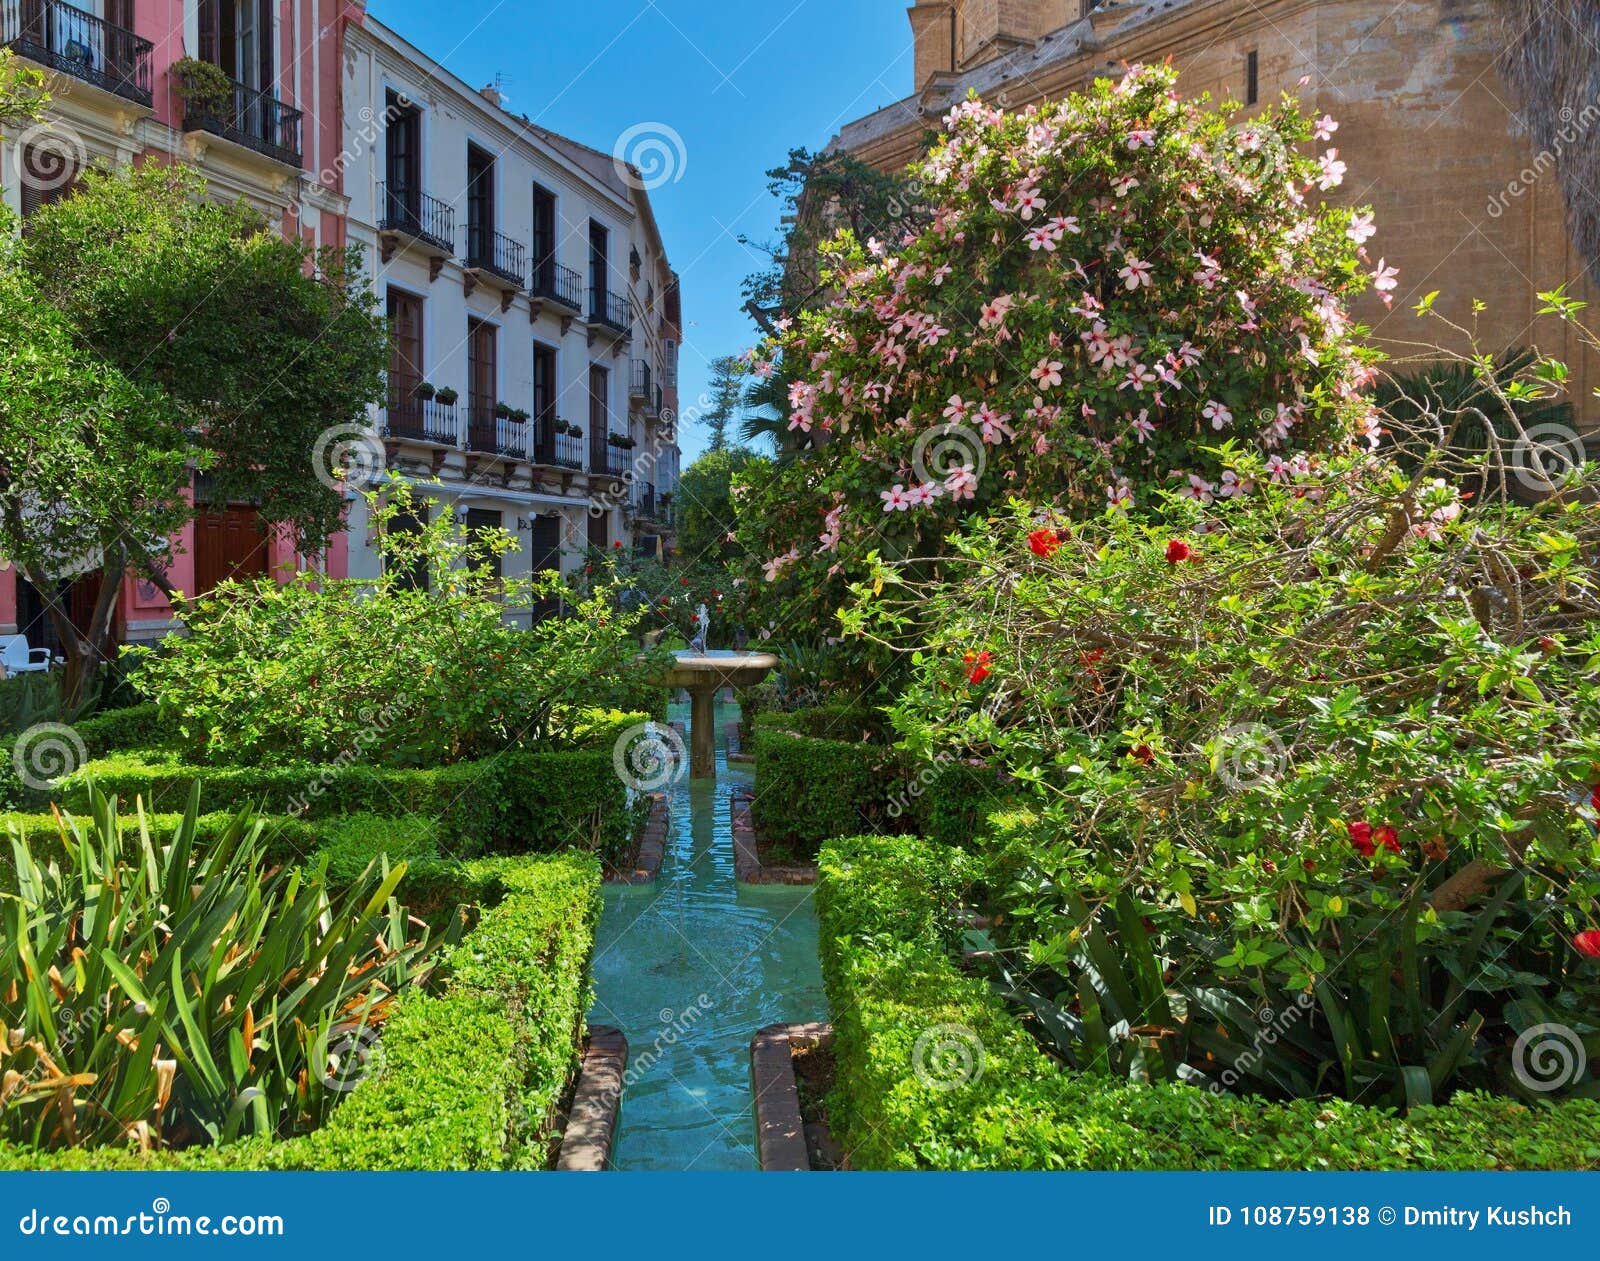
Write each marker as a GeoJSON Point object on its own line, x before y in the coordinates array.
{"type": "Point", "coordinates": [726, 393]}
{"type": "Point", "coordinates": [258, 349]}
{"type": "Point", "coordinates": [22, 92]}
{"type": "Point", "coordinates": [705, 499]}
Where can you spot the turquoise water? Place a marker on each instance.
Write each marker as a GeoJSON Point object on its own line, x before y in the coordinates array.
{"type": "Point", "coordinates": [689, 968]}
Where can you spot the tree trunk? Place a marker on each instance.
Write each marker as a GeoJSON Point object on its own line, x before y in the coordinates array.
{"type": "Point", "coordinates": [86, 651]}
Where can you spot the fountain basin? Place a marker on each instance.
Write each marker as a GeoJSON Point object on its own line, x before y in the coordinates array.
{"type": "Point", "coordinates": [703, 675]}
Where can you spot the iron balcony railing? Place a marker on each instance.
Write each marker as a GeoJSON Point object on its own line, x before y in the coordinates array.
{"type": "Point", "coordinates": [69, 40]}
{"type": "Point", "coordinates": [644, 500]}
{"type": "Point", "coordinates": [558, 284]}
{"type": "Point", "coordinates": [257, 120]}
{"type": "Point", "coordinates": [555, 450]}
{"type": "Point", "coordinates": [617, 461]}
{"type": "Point", "coordinates": [639, 384]}
{"type": "Point", "coordinates": [491, 251]}
{"type": "Point", "coordinates": [492, 434]}
{"type": "Point", "coordinates": [610, 310]}
{"type": "Point", "coordinates": [417, 215]}
{"type": "Point", "coordinates": [420, 419]}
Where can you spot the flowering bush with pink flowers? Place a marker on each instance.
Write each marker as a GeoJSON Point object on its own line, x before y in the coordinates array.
{"type": "Point", "coordinates": [1109, 287]}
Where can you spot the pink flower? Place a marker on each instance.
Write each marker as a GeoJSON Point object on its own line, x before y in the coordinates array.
{"type": "Point", "coordinates": [895, 498]}
{"type": "Point", "coordinates": [957, 409]}
{"type": "Point", "coordinates": [994, 312]}
{"type": "Point", "coordinates": [1141, 139]}
{"type": "Point", "coordinates": [1064, 224]}
{"type": "Point", "coordinates": [1361, 229]}
{"type": "Point", "coordinates": [1028, 200]}
{"type": "Point", "coordinates": [1383, 280]}
{"type": "Point", "coordinates": [961, 484]}
{"type": "Point", "coordinates": [1134, 272]}
{"type": "Point", "coordinates": [1325, 127]}
{"type": "Point", "coordinates": [1043, 238]}
{"type": "Point", "coordinates": [1199, 489]}
{"type": "Point", "coordinates": [1217, 413]}
{"type": "Point", "coordinates": [1143, 426]}
{"type": "Point", "coordinates": [1332, 170]}
{"type": "Point", "coordinates": [1047, 374]}
{"type": "Point", "coordinates": [1124, 184]}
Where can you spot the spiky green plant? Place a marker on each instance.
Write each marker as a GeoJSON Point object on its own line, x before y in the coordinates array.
{"type": "Point", "coordinates": [173, 995]}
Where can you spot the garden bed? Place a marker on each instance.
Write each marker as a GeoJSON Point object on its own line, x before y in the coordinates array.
{"type": "Point", "coordinates": [791, 1072]}
{"type": "Point", "coordinates": [643, 864]}
{"type": "Point", "coordinates": [934, 1072]}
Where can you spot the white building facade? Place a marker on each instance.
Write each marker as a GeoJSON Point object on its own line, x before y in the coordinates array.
{"type": "Point", "coordinates": [536, 317]}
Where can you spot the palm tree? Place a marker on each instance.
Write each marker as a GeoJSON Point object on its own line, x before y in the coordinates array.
{"type": "Point", "coordinates": [766, 414]}
{"type": "Point", "coordinates": [1549, 61]}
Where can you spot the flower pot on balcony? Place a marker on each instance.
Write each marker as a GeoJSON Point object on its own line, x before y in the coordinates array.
{"type": "Point", "coordinates": [447, 397]}
{"type": "Point", "coordinates": [503, 411]}
{"type": "Point", "coordinates": [424, 391]}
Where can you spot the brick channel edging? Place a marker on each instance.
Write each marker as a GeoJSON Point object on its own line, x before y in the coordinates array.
{"type": "Point", "coordinates": [747, 866]}
{"type": "Point", "coordinates": [780, 1131]}
{"type": "Point", "coordinates": [652, 845]}
{"type": "Point", "coordinates": [596, 1103]}
{"type": "Point", "coordinates": [735, 740]}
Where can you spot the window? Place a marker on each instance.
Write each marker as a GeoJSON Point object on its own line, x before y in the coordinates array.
{"type": "Point", "coordinates": [410, 575]}
{"type": "Point", "coordinates": [544, 403]}
{"type": "Point", "coordinates": [483, 386]}
{"type": "Point", "coordinates": [405, 360]}
{"type": "Point", "coordinates": [544, 238]}
{"type": "Point", "coordinates": [544, 552]}
{"type": "Point", "coordinates": [480, 520]}
{"type": "Point", "coordinates": [1252, 77]}
{"type": "Point", "coordinates": [49, 173]}
{"type": "Point", "coordinates": [236, 36]}
{"type": "Point", "coordinates": [402, 162]}
{"type": "Point", "coordinates": [599, 417]}
{"type": "Point", "coordinates": [669, 363]}
{"type": "Point", "coordinates": [599, 264]}
{"type": "Point", "coordinates": [480, 206]}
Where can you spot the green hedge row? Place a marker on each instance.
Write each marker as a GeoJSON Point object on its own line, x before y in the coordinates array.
{"type": "Point", "coordinates": [470, 1075]}
{"type": "Point", "coordinates": [901, 1004]}
{"type": "Point", "coordinates": [518, 801]}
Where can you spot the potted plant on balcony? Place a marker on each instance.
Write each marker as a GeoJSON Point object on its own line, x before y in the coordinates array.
{"type": "Point", "coordinates": [447, 397]}
{"type": "Point", "coordinates": [621, 440]}
{"type": "Point", "coordinates": [424, 390]}
{"type": "Point", "coordinates": [521, 415]}
{"type": "Point", "coordinates": [503, 411]}
{"type": "Point", "coordinates": [561, 426]}
{"type": "Point", "coordinates": [202, 87]}
{"type": "Point", "coordinates": [575, 431]}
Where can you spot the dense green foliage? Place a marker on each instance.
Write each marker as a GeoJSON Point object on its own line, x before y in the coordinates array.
{"type": "Point", "coordinates": [706, 514]}
{"type": "Point", "coordinates": [384, 670]}
{"type": "Point", "coordinates": [934, 1072]}
{"type": "Point", "coordinates": [181, 994]}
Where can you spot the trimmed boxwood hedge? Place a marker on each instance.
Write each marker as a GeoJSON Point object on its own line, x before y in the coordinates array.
{"type": "Point", "coordinates": [470, 1076]}
{"type": "Point", "coordinates": [518, 801]}
{"type": "Point", "coordinates": [886, 941]}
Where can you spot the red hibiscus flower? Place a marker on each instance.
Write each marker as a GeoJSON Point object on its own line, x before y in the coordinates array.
{"type": "Point", "coordinates": [1388, 838]}
{"type": "Point", "coordinates": [1361, 838]}
{"type": "Point", "coordinates": [979, 666]}
{"type": "Point", "coordinates": [1588, 943]}
{"type": "Point", "coordinates": [1143, 753]}
{"type": "Point", "coordinates": [1043, 543]}
{"type": "Point", "coordinates": [1177, 551]}
{"type": "Point", "coordinates": [617, 546]}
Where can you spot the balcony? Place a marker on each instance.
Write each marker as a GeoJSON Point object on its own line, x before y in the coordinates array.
{"type": "Point", "coordinates": [256, 120]}
{"type": "Point", "coordinates": [418, 419]}
{"type": "Point", "coordinates": [407, 215]}
{"type": "Point", "coordinates": [66, 39]}
{"type": "Point", "coordinates": [553, 449]}
{"type": "Point", "coordinates": [495, 257]}
{"type": "Point", "coordinates": [609, 313]}
{"type": "Point", "coordinates": [559, 286]}
{"type": "Point", "coordinates": [491, 434]}
{"type": "Point", "coordinates": [617, 462]}
{"type": "Point", "coordinates": [640, 387]}
{"type": "Point", "coordinates": [644, 501]}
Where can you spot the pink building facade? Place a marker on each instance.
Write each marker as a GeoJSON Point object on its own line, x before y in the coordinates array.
{"type": "Point", "coordinates": [279, 144]}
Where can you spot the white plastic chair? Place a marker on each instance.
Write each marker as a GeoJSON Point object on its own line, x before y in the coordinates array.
{"type": "Point", "coordinates": [17, 658]}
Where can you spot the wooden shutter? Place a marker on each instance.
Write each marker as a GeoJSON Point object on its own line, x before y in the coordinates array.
{"type": "Point", "coordinates": [210, 22]}
{"type": "Point", "coordinates": [599, 380]}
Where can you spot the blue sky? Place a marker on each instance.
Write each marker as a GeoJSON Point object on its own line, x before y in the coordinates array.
{"type": "Point", "coordinates": [742, 83]}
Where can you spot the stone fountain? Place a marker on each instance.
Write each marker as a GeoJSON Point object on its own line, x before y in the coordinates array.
{"type": "Point", "coordinates": [704, 674]}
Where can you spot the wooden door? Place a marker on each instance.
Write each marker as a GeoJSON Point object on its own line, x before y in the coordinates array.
{"type": "Point", "coordinates": [405, 361]}
{"type": "Point", "coordinates": [482, 384]}
{"type": "Point", "coordinates": [228, 543]}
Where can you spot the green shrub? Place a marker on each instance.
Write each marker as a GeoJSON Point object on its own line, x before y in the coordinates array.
{"type": "Point", "coordinates": [809, 789]}
{"type": "Point", "coordinates": [913, 1091]}
{"type": "Point", "coordinates": [203, 992]}
{"type": "Point", "coordinates": [517, 802]}
{"type": "Point", "coordinates": [467, 1077]}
